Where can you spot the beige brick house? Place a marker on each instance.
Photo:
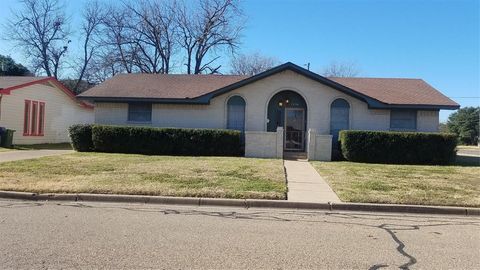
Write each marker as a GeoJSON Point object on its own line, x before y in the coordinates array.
{"type": "Point", "coordinates": [40, 109]}
{"type": "Point", "coordinates": [286, 108]}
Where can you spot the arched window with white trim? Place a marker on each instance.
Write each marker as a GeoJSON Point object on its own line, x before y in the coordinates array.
{"type": "Point", "coordinates": [236, 113]}
{"type": "Point", "coordinates": [339, 117]}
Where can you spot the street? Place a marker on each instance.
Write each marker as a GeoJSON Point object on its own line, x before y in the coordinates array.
{"type": "Point", "coordinates": [41, 235]}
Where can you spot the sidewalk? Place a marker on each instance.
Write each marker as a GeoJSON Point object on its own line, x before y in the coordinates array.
{"type": "Point", "coordinates": [306, 185]}
{"type": "Point", "coordinates": [29, 154]}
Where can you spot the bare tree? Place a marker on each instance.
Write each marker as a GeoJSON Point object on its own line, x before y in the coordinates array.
{"type": "Point", "coordinates": [155, 28]}
{"type": "Point", "coordinates": [93, 17]}
{"type": "Point", "coordinates": [252, 64]}
{"type": "Point", "coordinates": [118, 38]}
{"type": "Point", "coordinates": [341, 69]}
{"type": "Point", "coordinates": [215, 26]}
{"type": "Point", "coordinates": [104, 66]}
{"type": "Point", "coordinates": [41, 29]}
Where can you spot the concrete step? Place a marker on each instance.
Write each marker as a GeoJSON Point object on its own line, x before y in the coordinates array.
{"type": "Point", "coordinates": [295, 155]}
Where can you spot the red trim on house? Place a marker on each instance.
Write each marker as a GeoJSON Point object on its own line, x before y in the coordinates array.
{"type": "Point", "coordinates": [34, 119]}
{"type": "Point", "coordinates": [26, 118]}
{"type": "Point", "coordinates": [41, 119]}
{"type": "Point", "coordinates": [55, 82]}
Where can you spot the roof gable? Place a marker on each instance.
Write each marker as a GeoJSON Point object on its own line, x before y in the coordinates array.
{"type": "Point", "coordinates": [12, 83]}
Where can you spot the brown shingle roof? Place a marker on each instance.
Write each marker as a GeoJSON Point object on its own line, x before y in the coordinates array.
{"type": "Point", "coordinates": [397, 91]}
{"type": "Point", "coordinates": [377, 92]}
{"type": "Point", "coordinates": [174, 86]}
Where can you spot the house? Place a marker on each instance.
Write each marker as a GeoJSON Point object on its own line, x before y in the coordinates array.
{"type": "Point", "coordinates": [286, 108]}
{"type": "Point", "coordinates": [40, 109]}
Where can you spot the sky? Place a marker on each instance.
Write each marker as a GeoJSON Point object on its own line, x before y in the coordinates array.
{"type": "Point", "coordinates": [437, 41]}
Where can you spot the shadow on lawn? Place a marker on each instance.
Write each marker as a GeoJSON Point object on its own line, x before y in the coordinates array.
{"type": "Point", "coordinates": [44, 146]}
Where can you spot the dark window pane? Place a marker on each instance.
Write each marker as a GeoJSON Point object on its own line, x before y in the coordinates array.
{"type": "Point", "coordinates": [403, 120]}
{"type": "Point", "coordinates": [236, 113]}
{"type": "Point", "coordinates": [140, 112]}
{"type": "Point", "coordinates": [339, 117]}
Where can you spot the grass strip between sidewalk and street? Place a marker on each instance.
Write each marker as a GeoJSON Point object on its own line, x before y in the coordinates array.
{"type": "Point", "coordinates": [403, 184]}
{"type": "Point", "coordinates": [217, 177]}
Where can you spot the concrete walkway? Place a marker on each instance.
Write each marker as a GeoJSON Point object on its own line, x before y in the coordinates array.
{"type": "Point", "coordinates": [306, 185]}
{"type": "Point", "coordinates": [29, 154]}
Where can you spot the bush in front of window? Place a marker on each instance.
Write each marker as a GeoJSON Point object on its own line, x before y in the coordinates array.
{"type": "Point", "coordinates": [165, 141]}
{"type": "Point", "coordinates": [81, 137]}
{"type": "Point", "coordinates": [398, 147]}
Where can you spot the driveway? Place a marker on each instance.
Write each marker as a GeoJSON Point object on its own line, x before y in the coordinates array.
{"type": "Point", "coordinates": [29, 154]}
{"type": "Point", "coordinates": [54, 235]}
{"type": "Point", "coordinates": [468, 151]}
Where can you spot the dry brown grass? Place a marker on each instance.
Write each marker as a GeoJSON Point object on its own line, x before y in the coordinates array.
{"type": "Point", "coordinates": [403, 184]}
{"type": "Point", "coordinates": [225, 177]}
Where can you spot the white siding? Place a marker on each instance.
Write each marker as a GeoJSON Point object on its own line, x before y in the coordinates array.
{"type": "Point", "coordinates": [257, 95]}
{"type": "Point", "coordinates": [60, 113]}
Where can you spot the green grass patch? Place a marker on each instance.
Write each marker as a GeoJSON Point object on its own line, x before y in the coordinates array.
{"type": "Point", "coordinates": [220, 177]}
{"type": "Point", "coordinates": [3, 149]}
{"type": "Point", "coordinates": [456, 185]}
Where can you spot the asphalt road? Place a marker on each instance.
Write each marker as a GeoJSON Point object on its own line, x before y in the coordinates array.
{"type": "Point", "coordinates": [107, 235]}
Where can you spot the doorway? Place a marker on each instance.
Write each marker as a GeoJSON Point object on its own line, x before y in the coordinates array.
{"type": "Point", "coordinates": [288, 109]}
{"type": "Point", "coordinates": [294, 129]}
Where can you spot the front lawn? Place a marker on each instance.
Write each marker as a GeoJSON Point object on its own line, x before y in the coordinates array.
{"type": "Point", "coordinates": [403, 184]}
{"type": "Point", "coordinates": [3, 149]}
{"type": "Point", "coordinates": [223, 177]}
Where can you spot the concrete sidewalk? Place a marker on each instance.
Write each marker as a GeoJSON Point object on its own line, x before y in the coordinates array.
{"type": "Point", "coordinates": [29, 154]}
{"type": "Point", "coordinates": [306, 185]}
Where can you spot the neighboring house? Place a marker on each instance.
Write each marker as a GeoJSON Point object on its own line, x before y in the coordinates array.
{"type": "Point", "coordinates": [40, 109]}
{"type": "Point", "coordinates": [309, 109]}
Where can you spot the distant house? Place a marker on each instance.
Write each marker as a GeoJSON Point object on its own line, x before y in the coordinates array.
{"type": "Point", "coordinates": [40, 109]}
{"type": "Point", "coordinates": [286, 108]}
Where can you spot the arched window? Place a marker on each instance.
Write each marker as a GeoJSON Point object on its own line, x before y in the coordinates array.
{"type": "Point", "coordinates": [236, 113]}
{"type": "Point", "coordinates": [339, 117]}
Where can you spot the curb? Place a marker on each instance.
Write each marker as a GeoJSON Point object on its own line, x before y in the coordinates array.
{"type": "Point", "coordinates": [245, 203]}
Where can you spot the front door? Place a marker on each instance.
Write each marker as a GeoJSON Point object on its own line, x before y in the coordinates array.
{"type": "Point", "coordinates": [294, 129]}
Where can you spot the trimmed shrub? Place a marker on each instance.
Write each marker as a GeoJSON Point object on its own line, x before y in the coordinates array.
{"type": "Point", "coordinates": [166, 141]}
{"type": "Point", "coordinates": [81, 137]}
{"type": "Point", "coordinates": [398, 147]}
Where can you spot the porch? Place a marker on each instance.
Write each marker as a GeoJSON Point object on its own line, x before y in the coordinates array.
{"type": "Point", "coordinates": [264, 144]}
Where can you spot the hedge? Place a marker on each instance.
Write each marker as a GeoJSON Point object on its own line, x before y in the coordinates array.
{"type": "Point", "coordinates": [398, 147]}
{"type": "Point", "coordinates": [164, 141]}
{"type": "Point", "coordinates": [81, 137]}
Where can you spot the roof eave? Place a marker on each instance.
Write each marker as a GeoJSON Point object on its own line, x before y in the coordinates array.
{"type": "Point", "coordinates": [195, 101]}
{"type": "Point", "coordinates": [415, 106]}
